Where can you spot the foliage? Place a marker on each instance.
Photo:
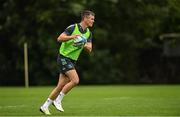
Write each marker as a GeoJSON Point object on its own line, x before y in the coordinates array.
{"type": "Point", "coordinates": [123, 29]}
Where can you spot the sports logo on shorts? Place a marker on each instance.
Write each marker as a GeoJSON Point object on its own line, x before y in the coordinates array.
{"type": "Point", "coordinates": [63, 61]}
{"type": "Point", "coordinates": [70, 66]}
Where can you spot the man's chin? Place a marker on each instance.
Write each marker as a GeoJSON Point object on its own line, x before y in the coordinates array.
{"type": "Point", "coordinates": [90, 25]}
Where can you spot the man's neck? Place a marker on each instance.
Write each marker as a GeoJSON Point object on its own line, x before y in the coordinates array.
{"type": "Point", "coordinates": [83, 25]}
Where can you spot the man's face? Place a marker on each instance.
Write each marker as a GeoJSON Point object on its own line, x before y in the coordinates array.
{"type": "Point", "coordinates": [89, 20]}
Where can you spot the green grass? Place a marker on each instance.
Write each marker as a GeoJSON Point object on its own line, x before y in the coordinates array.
{"type": "Point", "coordinates": [140, 100]}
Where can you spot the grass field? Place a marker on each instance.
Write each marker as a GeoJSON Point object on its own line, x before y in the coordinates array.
{"type": "Point", "coordinates": [139, 100]}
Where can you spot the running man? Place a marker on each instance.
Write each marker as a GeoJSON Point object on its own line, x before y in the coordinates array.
{"type": "Point", "coordinates": [68, 55]}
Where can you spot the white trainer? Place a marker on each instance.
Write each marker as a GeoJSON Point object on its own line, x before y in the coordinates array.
{"type": "Point", "coordinates": [45, 110]}
{"type": "Point", "coordinates": [58, 105]}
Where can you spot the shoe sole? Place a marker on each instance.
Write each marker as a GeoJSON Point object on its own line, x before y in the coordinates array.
{"type": "Point", "coordinates": [43, 112]}
{"type": "Point", "coordinates": [56, 108]}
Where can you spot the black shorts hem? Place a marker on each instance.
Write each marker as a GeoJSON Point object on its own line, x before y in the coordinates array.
{"type": "Point", "coordinates": [65, 64]}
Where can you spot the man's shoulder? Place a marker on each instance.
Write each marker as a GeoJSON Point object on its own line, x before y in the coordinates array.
{"type": "Point", "coordinates": [69, 29]}
{"type": "Point", "coordinates": [71, 26]}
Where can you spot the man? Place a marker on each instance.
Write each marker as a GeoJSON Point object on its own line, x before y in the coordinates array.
{"type": "Point", "coordinates": [68, 55]}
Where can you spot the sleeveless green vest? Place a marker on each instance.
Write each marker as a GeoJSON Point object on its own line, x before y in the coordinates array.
{"type": "Point", "coordinates": [67, 48]}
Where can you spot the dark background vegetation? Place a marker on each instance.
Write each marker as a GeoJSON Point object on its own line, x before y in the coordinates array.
{"type": "Point", "coordinates": [127, 48]}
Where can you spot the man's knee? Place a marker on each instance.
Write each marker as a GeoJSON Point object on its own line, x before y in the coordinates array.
{"type": "Point", "coordinates": [75, 81]}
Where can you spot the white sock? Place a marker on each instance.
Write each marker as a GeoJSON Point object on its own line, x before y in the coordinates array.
{"type": "Point", "coordinates": [47, 103]}
{"type": "Point", "coordinates": [60, 96]}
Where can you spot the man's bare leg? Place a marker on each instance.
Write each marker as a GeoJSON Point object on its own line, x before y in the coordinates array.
{"type": "Point", "coordinates": [74, 80]}
{"type": "Point", "coordinates": [63, 80]}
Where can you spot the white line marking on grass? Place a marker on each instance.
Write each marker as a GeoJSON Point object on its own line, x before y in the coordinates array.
{"type": "Point", "coordinates": [12, 106]}
{"type": "Point", "coordinates": [117, 98]}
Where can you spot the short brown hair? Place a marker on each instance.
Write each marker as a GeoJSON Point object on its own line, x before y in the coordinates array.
{"type": "Point", "coordinates": [86, 13]}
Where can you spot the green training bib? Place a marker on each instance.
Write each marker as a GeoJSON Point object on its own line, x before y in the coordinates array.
{"type": "Point", "coordinates": [67, 48]}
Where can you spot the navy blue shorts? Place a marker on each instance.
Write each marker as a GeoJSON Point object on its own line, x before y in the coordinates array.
{"type": "Point", "coordinates": [65, 64]}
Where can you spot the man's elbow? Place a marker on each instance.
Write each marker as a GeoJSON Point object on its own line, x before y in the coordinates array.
{"type": "Point", "coordinates": [88, 49]}
{"type": "Point", "coordinates": [60, 39]}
